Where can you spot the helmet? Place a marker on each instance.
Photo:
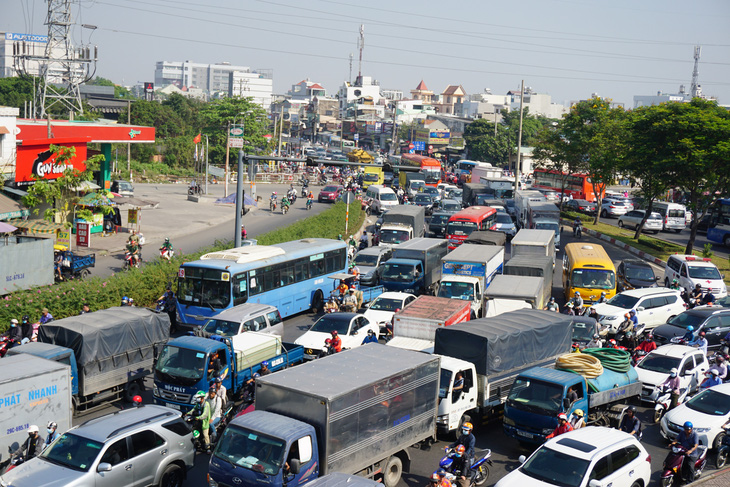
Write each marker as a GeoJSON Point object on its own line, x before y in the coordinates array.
{"type": "Point", "coordinates": [576, 293]}
{"type": "Point", "coordinates": [603, 294]}
{"type": "Point", "coordinates": [675, 281]}
{"type": "Point", "coordinates": [467, 426]}
{"type": "Point", "coordinates": [690, 328]}
{"type": "Point", "coordinates": [33, 429]}
{"type": "Point", "coordinates": [596, 336]}
{"type": "Point", "coordinates": [328, 341]}
{"type": "Point", "coordinates": [673, 372]}
{"type": "Point", "coordinates": [441, 472]}
{"type": "Point", "coordinates": [125, 299]}
{"type": "Point", "coordinates": [26, 318]}
{"type": "Point", "coordinates": [435, 478]}
{"type": "Point", "coordinates": [460, 449]}
{"type": "Point", "coordinates": [698, 286]}
{"type": "Point", "coordinates": [552, 298]}
{"type": "Point", "coordinates": [167, 239]}
{"type": "Point", "coordinates": [51, 425]}
{"type": "Point", "coordinates": [334, 333]}
{"type": "Point", "coordinates": [371, 332]}
{"type": "Point", "coordinates": [264, 364]}
{"type": "Point", "coordinates": [273, 192]}
{"type": "Point", "coordinates": [563, 416]}
{"type": "Point", "coordinates": [702, 333]}
{"type": "Point", "coordinates": [688, 425]}
{"type": "Point", "coordinates": [632, 409]}
{"type": "Point", "coordinates": [579, 413]}
{"type": "Point", "coordinates": [632, 312]}
{"type": "Point", "coordinates": [137, 400]}
{"type": "Point", "coordinates": [715, 372]}
{"type": "Point", "coordinates": [649, 337]}
{"type": "Point", "coordinates": [720, 359]}
{"type": "Point", "coordinates": [200, 394]}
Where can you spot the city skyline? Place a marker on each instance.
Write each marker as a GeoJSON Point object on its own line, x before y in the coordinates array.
{"type": "Point", "coordinates": [565, 48]}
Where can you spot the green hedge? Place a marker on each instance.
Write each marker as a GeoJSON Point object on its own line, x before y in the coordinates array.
{"type": "Point", "coordinates": [146, 284]}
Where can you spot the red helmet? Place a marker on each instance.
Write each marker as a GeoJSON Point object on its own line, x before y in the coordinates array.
{"type": "Point", "coordinates": [702, 333]}
{"type": "Point", "coordinates": [460, 449]}
{"type": "Point", "coordinates": [334, 333]}
{"type": "Point", "coordinates": [328, 341]}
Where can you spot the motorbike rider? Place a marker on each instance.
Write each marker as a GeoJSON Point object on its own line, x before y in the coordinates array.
{"type": "Point", "coordinates": [46, 317]}
{"type": "Point", "coordinates": [370, 338]}
{"type": "Point", "coordinates": [689, 440]}
{"type": "Point", "coordinates": [460, 466]}
{"type": "Point", "coordinates": [32, 446]}
{"type": "Point", "coordinates": [272, 199]}
{"type": "Point", "coordinates": [689, 334]}
{"type": "Point", "coordinates": [202, 412]}
{"type": "Point", "coordinates": [216, 406]}
{"type": "Point", "coordinates": [349, 302]}
{"type": "Point", "coordinates": [713, 379]}
{"type": "Point", "coordinates": [576, 419]}
{"type": "Point", "coordinates": [720, 366]}
{"type": "Point", "coordinates": [569, 309]}
{"type": "Point", "coordinates": [674, 386]}
{"type": "Point", "coordinates": [577, 302]}
{"type": "Point", "coordinates": [563, 426]}
{"type": "Point", "coordinates": [51, 428]}
{"type": "Point", "coordinates": [592, 313]}
{"type": "Point", "coordinates": [576, 225]}
{"type": "Point", "coordinates": [26, 327]}
{"type": "Point", "coordinates": [441, 481]}
{"type": "Point", "coordinates": [85, 308]}
{"type": "Point", "coordinates": [648, 344]}
{"type": "Point", "coordinates": [15, 333]}
{"type": "Point", "coordinates": [603, 298]}
{"type": "Point", "coordinates": [630, 423]}
{"type": "Point", "coordinates": [310, 199]}
{"type": "Point", "coordinates": [467, 439]}
{"type": "Point", "coordinates": [552, 305]}
{"type": "Point", "coordinates": [331, 305]}
{"type": "Point", "coordinates": [285, 202]}
{"type": "Point", "coordinates": [166, 250]}
{"type": "Point", "coordinates": [133, 249]}
{"type": "Point", "coordinates": [596, 342]}
{"type": "Point", "coordinates": [700, 342]}
{"type": "Point", "coordinates": [708, 299]}
{"type": "Point", "coordinates": [695, 296]}
{"type": "Point", "coordinates": [364, 240]}
{"type": "Point", "coordinates": [336, 342]}
{"type": "Point", "coordinates": [264, 368]}
{"type": "Point", "coordinates": [674, 284]}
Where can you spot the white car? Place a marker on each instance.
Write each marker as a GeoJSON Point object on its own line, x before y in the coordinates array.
{"type": "Point", "coordinates": [707, 412]}
{"type": "Point", "coordinates": [653, 306]}
{"type": "Point", "coordinates": [690, 270]}
{"type": "Point", "coordinates": [633, 219]}
{"type": "Point", "coordinates": [381, 310]}
{"type": "Point", "coordinates": [654, 368]}
{"type": "Point", "coordinates": [593, 456]}
{"type": "Point", "coordinates": [352, 328]}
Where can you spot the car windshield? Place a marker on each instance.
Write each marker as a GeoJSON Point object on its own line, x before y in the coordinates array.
{"type": "Point", "coordinates": [386, 304]}
{"type": "Point", "coordinates": [583, 332]}
{"type": "Point", "coordinates": [460, 228]}
{"type": "Point", "coordinates": [393, 236]}
{"type": "Point", "coordinates": [555, 468]}
{"type": "Point", "coordinates": [431, 190]}
{"type": "Point", "coordinates": [439, 219]}
{"type": "Point", "coordinates": [73, 451]}
{"type": "Point", "coordinates": [456, 290]}
{"type": "Point", "coordinates": [125, 186]}
{"type": "Point", "coordinates": [593, 279]}
{"type": "Point", "coordinates": [535, 396]}
{"type": "Point", "coordinates": [504, 218]}
{"type": "Point", "coordinates": [659, 363]}
{"type": "Point", "coordinates": [365, 260]}
{"type": "Point", "coordinates": [398, 272]}
{"type": "Point", "coordinates": [330, 323]}
{"type": "Point", "coordinates": [330, 189]}
{"type": "Point", "coordinates": [455, 193]}
{"type": "Point", "coordinates": [703, 272]}
{"type": "Point", "coordinates": [444, 382]}
{"type": "Point", "coordinates": [221, 327]}
{"type": "Point", "coordinates": [623, 301]}
{"type": "Point", "coordinates": [639, 272]}
{"type": "Point", "coordinates": [449, 206]}
{"type": "Point", "coordinates": [388, 196]}
{"type": "Point", "coordinates": [180, 366]}
{"type": "Point", "coordinates": [250, 450]}
{"type": "Point", "coordinates": [710, 402]}
{"type": "Point", "coordinates": [423, 198]}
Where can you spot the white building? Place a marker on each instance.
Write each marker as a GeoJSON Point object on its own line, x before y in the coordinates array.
{"type": "Point", "coordinates": [27, 47]}
{"type": "Point", "coordinates": [483, 105]}
{"type": "Point", "coordinates": [253, 84]}
{"type": "Point", "coordinates": [648, 100]}
{"type": "Point", "coordinates": [395, 95]}
{"type": "Point", "coordinates": [307, 90]}
{"type": "Point", "coordinates": [8, 129]}
{"type": "Point", "coordinates": [363, 94]}
{"type": "Point", "coordinates": [537, 103]}
{"type": "Point", "coordinates": [410, 110]}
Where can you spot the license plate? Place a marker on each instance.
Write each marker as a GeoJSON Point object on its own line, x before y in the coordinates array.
{"type": "Point", "coordinates": [173, 406]}
{"type": "Point", "coordinates": [525, 434]}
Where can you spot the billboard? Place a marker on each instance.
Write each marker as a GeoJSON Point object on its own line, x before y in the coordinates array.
{"type": "Point", "coordinates": [35, 160]}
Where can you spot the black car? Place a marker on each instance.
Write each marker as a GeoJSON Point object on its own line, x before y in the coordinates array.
{"type": "Point", "coordinates": [581, 206]}
{"type": "Point", "coordinates": [634, 274]}
{"type": "Point", "coordinates": [425, 200]}
{"type": "Point", "coordinates": [437, 225]}
{"type": "Point", "coordinates": [714, 321]}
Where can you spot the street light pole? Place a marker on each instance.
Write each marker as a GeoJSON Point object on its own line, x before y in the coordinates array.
{"type": "Point", "coordinates": [206, 164]}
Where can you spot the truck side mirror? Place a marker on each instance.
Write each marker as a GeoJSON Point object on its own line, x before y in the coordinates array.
{"type": "Point", "coordinates": [294, 465]}
{"type": "Point", "coordinates": [566, 403]}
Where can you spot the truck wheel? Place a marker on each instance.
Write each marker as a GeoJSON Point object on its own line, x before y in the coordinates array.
{"type": "Point", "coordinates": [172, 477]}
{"type": "Point", "coordinates": [317, 302]}
{"type": "Point", "coordinates": [132, 389]}
{"type": "Point", "coordinates": [392, 472]}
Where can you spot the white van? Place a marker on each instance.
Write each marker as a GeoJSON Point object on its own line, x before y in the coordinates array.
{"type": "Point", "coordinates": [673, 215]}
{"type": "Point", "coordinates": [380, 198]}
{"type": "Point", "coordinates": [690, 270]}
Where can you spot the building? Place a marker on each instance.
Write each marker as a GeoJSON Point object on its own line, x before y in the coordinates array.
{"type": "Point", "coordinates": [363, 96]}
{"type": "Point", "coordinates": [648, 100]}
{"type": "Point", "coordinates": [393, 95]}
{"type": "Point", "coordinates": [217, 79]}
{"type": "Point", "coordinates": [422, 93]}
{"type": "Point", "coordinates": [452, 96]}
{"type": "Point", "coordinates": [28, 47]}
{"type": "Point", "coordinates": [306, 90]}
{"type": "Point", "coordinates": [537, 103]}
{"type": "Point", "coordinates": [8, 130]}
{"type": "Point", "coordinates": [410, 110]}
{"type": "Point", "coordinates": [483, 105]}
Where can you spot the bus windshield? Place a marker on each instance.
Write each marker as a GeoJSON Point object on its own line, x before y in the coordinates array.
{"type": "Point", "coordinates": [594, 279]}
{"type": "Point", "coordinates": [204, 287]}
{"type": "Point", "coordinates": [460, 228]}
{"type": "Point", "coordinates": [432, 176]}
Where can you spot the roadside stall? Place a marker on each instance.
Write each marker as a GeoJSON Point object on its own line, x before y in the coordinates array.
{"type": "Point", "coordinates": [94, 202]}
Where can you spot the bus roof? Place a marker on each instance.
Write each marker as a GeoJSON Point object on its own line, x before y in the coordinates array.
{"type": "Point", "coordinates": [584, 255]}
{"type": "Point", "coordinates": [472, 213]}
{"type": "Point", "coordinates": [419, 159]}
{"type": "Point", "coordinates": [241, 258]}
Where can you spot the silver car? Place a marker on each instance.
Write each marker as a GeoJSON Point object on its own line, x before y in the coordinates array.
{"type": "Point", "coordinates": [633, 218]}
{"type": "Point", "coordinates": [611, 207]}
{"type": "Point", "coordinates": [149, 445]}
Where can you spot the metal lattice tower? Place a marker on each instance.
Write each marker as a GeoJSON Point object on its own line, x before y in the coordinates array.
{"type": "Point", "coordinates": [62, 66]}
{"type": "Point", "coordinates": [695, 88]}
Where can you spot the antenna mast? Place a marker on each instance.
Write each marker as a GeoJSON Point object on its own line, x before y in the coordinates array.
{"type": "Point", "coordinates": [350, 77]}
{"type": "Point", "coordinates": [695, 89]}
{"type": "Point", "coordinates": [361, 44]}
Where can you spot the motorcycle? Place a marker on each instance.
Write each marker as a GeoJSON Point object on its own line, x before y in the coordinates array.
{"type": "Point", "coordinates": [305, 191]}
{"type": "Point", "coordinates": [284, 208]}
{"type": "Point", "coordinates": [12, 462]}
{"type": "Point", "coordinates": [672, 470]}
{"type": "Point", "coordinates": [272, 205]}
{"type": "Point", "coordinates": [292, 195]}
{"type": "Point", "coordinates": [130, 261]}
{"type": "Point", "coordinates": [663, 400]}
{"type": "Point", "coordinates": [6, 343]}
{"type": "Point", "coordinates": [309, 203]}
{"type": "Point", "coordinates": [724, 449]}
{"type": "Point", "coordinates": [166, 254]}
{"type": "Point", "coordinates": [637, 356]}
{"type": "Point", "coordinates": [578, 230]}
{"type": "Point", "coordinates": [478, 471]}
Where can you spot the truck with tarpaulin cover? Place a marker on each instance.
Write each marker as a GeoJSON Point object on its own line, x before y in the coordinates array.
{"type": "Point", "coordinates": [487, 237]}
{"type": "Point", "coordinates": [113, 350]}
{"type": "Point", "coordinates": [489, 353]}
{"type": "Point", "coordinates": [539, 394]}
{"type": "Point", "coordinates": [475, 194]}
{"type": "Point", "coordinates": [414, 327]}
{"type": "Point", "coordinates": [509, 293]}
{"type": "Point", "coordinates": [402, 223]}
{"type": "Point", "coordinates": [336, 414]}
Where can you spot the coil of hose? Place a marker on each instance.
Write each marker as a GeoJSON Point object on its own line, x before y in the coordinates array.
{"type": "Point", "coordinates": [611, 358]}
{"type": "Point", "coordinates": [586, 365]}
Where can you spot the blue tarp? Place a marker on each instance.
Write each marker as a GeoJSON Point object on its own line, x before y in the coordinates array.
{"type": "Point", "coordinates": [231, 200]}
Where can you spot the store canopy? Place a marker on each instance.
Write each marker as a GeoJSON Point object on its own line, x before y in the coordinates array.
{"type": "Point", "coordinates": [132, 202]}
{"type": "Point", "coordinates": [86, 186]}
{"type": "Point", "coordinates": [9, 208]}
{"type": "Point", "coordinates": [94, 200]}
{"type": "Point", "coordinates": [38, 226]}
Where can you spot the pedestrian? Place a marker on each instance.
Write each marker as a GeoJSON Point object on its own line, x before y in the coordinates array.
{"type": "Point", "coordinates": [46, 317]}
{"type": "Point", "coordinates": [169, 306]}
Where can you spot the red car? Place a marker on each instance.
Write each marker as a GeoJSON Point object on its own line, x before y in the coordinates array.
{"type": "Point", "coordinates": [330, 193]}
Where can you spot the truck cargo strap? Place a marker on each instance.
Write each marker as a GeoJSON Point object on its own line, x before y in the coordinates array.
{"type": "Point", "coordinates": [579, 363]}
{"type": "Point", "coordinates": [611, 358]}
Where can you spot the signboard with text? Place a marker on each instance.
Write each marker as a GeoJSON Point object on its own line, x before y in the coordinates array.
{"type": "Point", "coordinates": [83, 235]}
{"type": "Point", "coordinates": [63, 238]}
{"type": "Point", "coordinates": [35, 160]}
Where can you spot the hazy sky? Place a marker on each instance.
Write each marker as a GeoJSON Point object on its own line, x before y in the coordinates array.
{"type": "Point", "coordinates": [567, 48]}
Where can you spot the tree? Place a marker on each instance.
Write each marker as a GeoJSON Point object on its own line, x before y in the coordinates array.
{"type": "Point", "coordinates": [61, 193]}
{"type": "Point", "coordinates": [554, 152]}
{"type": "Point", "coordinates": [218, 114]}
{"type": "Point", "coordinates": [483, 145]}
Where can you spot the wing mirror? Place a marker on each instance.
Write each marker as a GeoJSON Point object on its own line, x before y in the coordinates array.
{"type": "Point", "coordinates": [104, 467]}
{"type": "Point", "coordinates": [294, 465]}
{"type": "Point", "coordinates": [522, 459]}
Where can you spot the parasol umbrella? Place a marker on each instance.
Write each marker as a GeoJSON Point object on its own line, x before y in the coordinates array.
{"type": "Point", "coordinates": [7, 227]}
{"type": "Point", "coordinates": [94, 200]}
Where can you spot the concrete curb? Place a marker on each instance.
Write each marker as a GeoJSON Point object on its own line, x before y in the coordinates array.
{"type": "Point", "coordinates": [618, 243]}
{"type": "Point", "coordinates": [725, 473]}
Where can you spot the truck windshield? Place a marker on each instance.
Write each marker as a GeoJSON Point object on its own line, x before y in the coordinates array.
{"type": "Point", "coordinates": [204, 287]}
{"type": "Point", "coordinates": [221, 327]}
{"type": "Point", "coordinates": [180, 366]}
{"type": "Point", "coordinates": [535, 396]}
{"type": "Point", "coordinates": [444, 383]}
{"type": "Point", "coordinates": [398, 272]}
{"type": "Point", "coordinates": [365, 260]}
{"type": "Point", "coordinates": [370, 177]}
{"type": "Point", "coordinates": [72, 451]}
{"type": "Point", "coordinates": [250, 450]}
{"type": "Point", "coordinates": [659, 363]}
{"type": "Point", "coordinates": [456, 290]}
{"type": "Point", "coordinates": [415, 185]}
{"type": "Point", "coordinates": [393, 236]}
{"type": "Point", "coordinates": [556, 468]}
{"type": "Point", "coordinates": [460, 228]}
{"type": "Point", "coordinates": [594, 279]}
{"type": "Point", "coordinates": [548, 226]}
{"type": "Point", "coordinates": [583, 332]}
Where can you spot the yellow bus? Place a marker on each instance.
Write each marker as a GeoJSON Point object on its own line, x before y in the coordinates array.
{"type": "Point", "coordinates": [588, 269]}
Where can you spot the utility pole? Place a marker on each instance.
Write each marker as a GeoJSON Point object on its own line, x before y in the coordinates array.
{"type": "Point", "coordinates": [394, 142]}
{"type": "Point", "coordinates": [350, 77]}
{"type": "Point", "coordinates": [228, 151]}
{"type": "Point", "coordinates": [361, 46]}
{"type": "Point", "coordinates": [519, 138]}
{"type": "Point", "coordinates": [281, 129]}
{"type": "Point", "coordinates": [206, 165]}
{"type": "Point", "coordinates": [129, 146]}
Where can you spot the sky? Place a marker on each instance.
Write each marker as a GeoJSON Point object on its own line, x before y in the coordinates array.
{"type": "Point", "coordinates": [569, 49]}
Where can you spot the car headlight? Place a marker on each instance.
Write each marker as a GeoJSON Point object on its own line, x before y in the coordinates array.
{"type": "Point", "coordinates": [155, 390]}
{"type": "Point", "coordinates": [211, 482]}
{"type": "Point", "coordinates": [610, 318]}
{"type": "Point", "coordinates": [547, 431]}
{"type": "Point", "coordinates": [702, 430]}
{"type": "Point", "coordinates": [508, 421]}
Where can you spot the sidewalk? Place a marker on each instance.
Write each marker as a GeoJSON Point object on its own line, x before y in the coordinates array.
{"type": "Point", "coordinates": [720, 478]}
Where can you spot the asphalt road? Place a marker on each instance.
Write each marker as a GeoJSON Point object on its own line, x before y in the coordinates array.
{"type": "Point", "coordinates": [505, 451]}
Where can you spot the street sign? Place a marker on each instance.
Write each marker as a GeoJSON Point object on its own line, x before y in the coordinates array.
{"type": "Point", "coordinates": [411, 146]}
{"type": "Point", "coordinates": [236, 132]}
{"type": "Point", "coordinates": [419, 145]}
{"type": "Point", "coordinates": [430, 147]}
{"type": "Point", "coordinates": [236, 143]}
{"type": "Point", "coordinates": [357, 136]}
{"type": "Point", "coordinates": [82, 234]}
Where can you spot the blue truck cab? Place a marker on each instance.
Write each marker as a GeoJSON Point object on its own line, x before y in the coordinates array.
{"type": "Point", "coordinates": [181, 368]}
{"type": "Point", "coordinates": [286, 452]}
{"type": "Point", "coordinates": [403, 275]}
{"type": "Point", "coordinates": [55, 353]}
{"type": "Point", "coordinates": [539, 394]}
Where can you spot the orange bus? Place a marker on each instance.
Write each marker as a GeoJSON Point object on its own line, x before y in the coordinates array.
{"type": "Point", "coordinates": [578, 185]}
{"type": "Point", "coordinates": [474, 218]}
{"type": "Point", "coordinates": [428, 166]}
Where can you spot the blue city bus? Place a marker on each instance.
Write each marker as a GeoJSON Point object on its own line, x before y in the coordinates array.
{"type": "Point", "coordinates": [292, 276]}
{"type": "Point", "coordinates": [718, 228]}
{"type": "Point", "coordinates": [465, 166]}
